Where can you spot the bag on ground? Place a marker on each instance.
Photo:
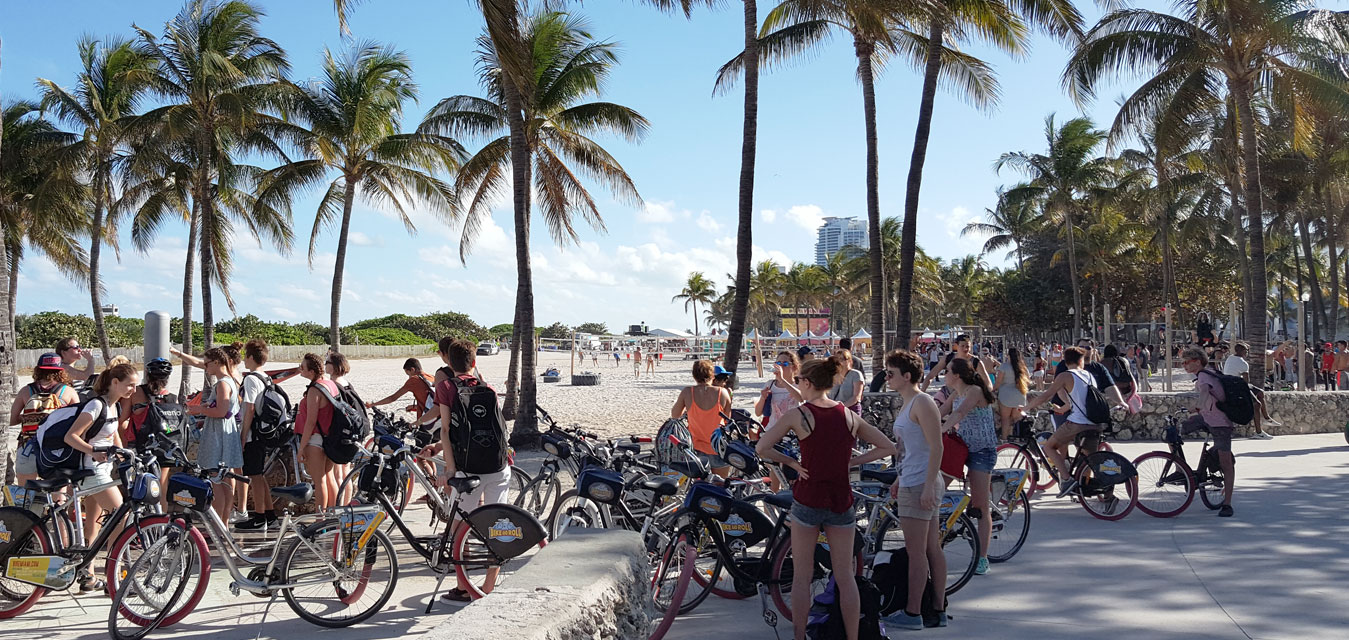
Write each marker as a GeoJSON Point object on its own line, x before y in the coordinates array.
{"type": "Point", "coordinates": [271, 412]}
{"type": "Point", "coordinates": [826, 616]}
{"type": "Point", "coordinates": [54, 455]}
{"type": "Point", "coordinates": [890, 574]}
{"type": "Point", "coordinates": [477, 428]}
{"type": "Point", "coordinates": [1238, 402]}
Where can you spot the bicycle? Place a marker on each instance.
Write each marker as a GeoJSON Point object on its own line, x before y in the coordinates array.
{"type": "Point", "coordinates": [34, 555]}
{"type": "Point", "coordinates": [324, 568]}
{"type": "Point", "coordinates": [149, 578]}
{"type": "Point", "coordinates": [1167, 484]}
{"type": "Point", "coordinates": [1097, 473]}
{"type": "Point", "coordinates": [882, 531]}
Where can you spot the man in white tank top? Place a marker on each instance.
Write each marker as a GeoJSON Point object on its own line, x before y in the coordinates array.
{"type": "Point", "coordinates": [1071, 387]}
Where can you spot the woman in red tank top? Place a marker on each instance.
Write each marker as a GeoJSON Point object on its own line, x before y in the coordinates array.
{"type": "Point", "coordinates": [822, 495]}
{"type": "Point", "coordinates": [313, 418]}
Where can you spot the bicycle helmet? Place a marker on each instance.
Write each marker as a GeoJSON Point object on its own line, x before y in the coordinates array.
{"type": "Point", "coordinates": [159, 368]}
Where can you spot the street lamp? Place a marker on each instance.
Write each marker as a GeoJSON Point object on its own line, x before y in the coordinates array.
{"type": "Point", "coordinates": [1301, 340]}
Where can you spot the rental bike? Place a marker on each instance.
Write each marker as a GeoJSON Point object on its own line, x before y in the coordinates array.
{"type": "Point", "coordinates": [1167, 483]}
{"type": "Point", "coordinates": [1107, 482]}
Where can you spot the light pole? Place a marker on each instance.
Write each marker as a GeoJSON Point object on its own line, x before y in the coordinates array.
{"type": "Point", "coordinates": [1301, 351]}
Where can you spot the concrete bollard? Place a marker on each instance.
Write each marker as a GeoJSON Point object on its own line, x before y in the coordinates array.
{"type": "Point", "coordinates": [156, 335]}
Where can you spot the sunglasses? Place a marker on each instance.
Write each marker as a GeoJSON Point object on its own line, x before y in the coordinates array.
{"type": "Point", "coordinates": [783, 364]}
{"type": "Point", "coordinates": [73, 346]}
{"type": "Point", "coordinates": [797, 379]}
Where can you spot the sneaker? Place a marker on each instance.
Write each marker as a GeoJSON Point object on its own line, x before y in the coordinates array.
{"type": "Point", "coordinates": [1273, 423]}
{"type": "Point", "coordinates": [1067, 487]}
{"type": "Point", "coordinates": [1263, 435]}
{"type": "Point", "coordinates": [239, 516]}
{"type": "Point", "coordinates": [1225, 511]}
{"type": "Point", "coordinates": [258, 522]}
{"type": "Point", "coordinates": [981, 567]}
{"type": "Point", "coordinates": [1110, 504]}
{"type": "Point", "coordinates": [902, 620]}
{"type": "Point", "coordinates": [940, 622]}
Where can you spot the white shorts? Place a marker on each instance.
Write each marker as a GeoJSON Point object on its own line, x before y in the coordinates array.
{"type": "Point", "coordinates": [495, 488]}
{"type": "Point", "coordinates": [316, 440]}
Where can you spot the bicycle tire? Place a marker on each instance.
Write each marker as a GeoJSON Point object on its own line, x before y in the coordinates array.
{"type": "Point", "coordinates": [964, 566]}
{"type": "Point", "coordinates": [538, 495]}
{"type": "Point", "coordinates": [683, 553]}
{"type": "Point", "coordinates": [20, 521]}
{"type": "Point", "coordinates": [1165, 484]}
{"type": "Point", "coordinates": [1013, 512]}
{"type": "Point", "coordinates": [132, 586]}
{"type": "Point", "coordinates": [780, 575]}
{"type": "Point", "coordinates": [1211, 490]}
{"type": "Point", "coordinates": [680, 589]}
{"type": "Point", "coordinates": [317, 536]}
{"type": "Point", "coordinates": [121, 549]}
{"type": "Point", "coordinates": [1100, 508]}
{"type": "Point", "coordinates": [1016, 456]}
{"type": "Point", "coordinates": [465, 549]}
{"type": "Point", "coordinates": [571, 510]}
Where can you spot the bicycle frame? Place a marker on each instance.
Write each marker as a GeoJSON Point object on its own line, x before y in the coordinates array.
{"type": "Point", "coordinates": [727, 556]}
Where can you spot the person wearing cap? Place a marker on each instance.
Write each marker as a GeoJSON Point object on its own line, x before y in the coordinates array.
{"type": "Point", "coordinates": [805, 353]}
{"type": "Point", "coordinates": [50, 390]}
{"type": "Point", "coordinates": [721, 377]}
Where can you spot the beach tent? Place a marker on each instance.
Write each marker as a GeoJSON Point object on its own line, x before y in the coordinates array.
{"type": "Point", "coordinates": [667, 333]}
{"type": "Point", "coordinates": [786, 335]}
{"type": "Point", "coordinates": [861, 338]}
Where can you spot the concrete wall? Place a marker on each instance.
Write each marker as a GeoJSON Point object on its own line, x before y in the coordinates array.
{"type": "Point", "coordinates": [27, 358]}
{"type": "Point", "coordinates": [1298, 411]}
{"type": "Point", "coordinates": [590, 584]}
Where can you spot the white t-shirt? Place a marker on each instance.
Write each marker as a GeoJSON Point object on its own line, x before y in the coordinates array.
{"type": "Point", "coordinates": [249, 393]}
{"type": "Point", "coordinates": [104, 436]}
{"type": "Point", "coordinates": [1235, 365]}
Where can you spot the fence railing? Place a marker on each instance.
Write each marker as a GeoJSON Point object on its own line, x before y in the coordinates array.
{"type": "Point", "coordinates": [27, 358]}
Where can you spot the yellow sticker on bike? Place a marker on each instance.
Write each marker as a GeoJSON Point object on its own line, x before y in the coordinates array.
{"type": "Point", "coordinates": [39, 570]}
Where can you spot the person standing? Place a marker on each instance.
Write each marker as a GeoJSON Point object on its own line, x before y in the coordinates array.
{"type": "Point", "coordinates": [822, 496]}
{"type": "Point", "coordinates": [312, 421]}
{"type": "Point", "coordinates": [1012, 387]}
{"type": "Point", "coordinates": [255, 447]}
{"type": "Point", "coordinates": [704, 404]}
{"type": "Point", "coordinates": [221, 444]}
{"type": "Point", "coordinates": [70, 352]}
{"type": "Point", "coordinates": [49, 391]}
{"type": "Point", "coordinates": [780, 395]}
{"type": "Point", "coordinates": [637, 363]}
{"type": "Point", "coordinates": [918, 488]}
{"type": "Point", "coordinates": [970, 416]}
{"type": "Point", "coordinates": [849, 389]}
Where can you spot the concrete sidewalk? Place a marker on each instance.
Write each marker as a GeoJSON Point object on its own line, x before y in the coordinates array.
{"type": "Point", "coordinates": [1275, 570]}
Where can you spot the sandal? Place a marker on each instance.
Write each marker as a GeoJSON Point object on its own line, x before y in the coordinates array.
{"type": "Point", "coordinates": [88, 583]}
{"type": "Point", "coordinates": [456, 595]}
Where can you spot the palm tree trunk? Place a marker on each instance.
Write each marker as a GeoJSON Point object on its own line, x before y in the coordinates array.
{"type": "Point", "coordinates": [193, 228]}
{"type": "Point", "coordinates": [695, 318]}
{"type": "Point", "coordinates": [909, 232]}
{"type": "Point", "coordinates": [1072, 276]}
{"type": "Point", "coordinates": [1168, 262]}
{"type": "Point", "coordinates": [207, 269]}
{"type": "Point", "coordinates": [1243, 261]}
{"type": "Point", "coordinates": [513, 371]}
{"type": "Point", "coordinates": [1332, 247]}
{"type": "Point", "coordinates": [1283, 307]}
{"type": "Point", "coordinates": [744, 243]}
{"type": "Point", "coordinates": [13, 289]}
{"type": "Point", "coordinates": [1256, 325]}
{"type": "Point", "coordinates": [7, 381]}
{"type": "Point", "coordinates": [1313, 278]}
{"type": "Point", "coordinates": [95, 250]}
{"type": "Point", "coordinates": [334, 333]}
{"type": "Point", "coordinates": [526, 431]}
{"type": "Point", "coordinates": [864, 51]}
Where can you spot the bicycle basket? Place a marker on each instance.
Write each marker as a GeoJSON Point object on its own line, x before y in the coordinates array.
{"type": "Point", "coordinates": [742, 457]}
{"type": "Point", "coordinates": [709, 499]}
{"type": "Point", "coordinates": [189, 491]}
{"type": "Point", "coordinates": [601, 485]}
{"type": "Point", "coordinates": [508, 531]}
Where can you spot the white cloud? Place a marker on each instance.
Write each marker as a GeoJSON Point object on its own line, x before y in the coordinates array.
{"type": "Point", "coordinates": [808, 216]}
{"type": "Point", "coordinates": [768, 215]}
{"type": "Point", "coordinates": [954, 221]}
{"type": "Point", "coordinates": [362, 240]}
{"type": "Point", "coordinates": [282, 312]}
{"type": "Point", "coordinates": [293, 291]}
{"type": "Point", "coordinates": [657, 212]}
{"type": "Point", "coordinates": [707, 223]}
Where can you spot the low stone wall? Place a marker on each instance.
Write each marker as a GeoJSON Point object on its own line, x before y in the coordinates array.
{"type": "Point", "coordinates": [1297, 411]}
{"type": "Point", "coordinates": [27, 358]}
{"type": "Point", "coordinates": [591, 584]}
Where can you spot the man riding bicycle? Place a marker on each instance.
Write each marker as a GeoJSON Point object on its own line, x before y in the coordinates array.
{"type": "Point", "coordinates": [1070, 386]}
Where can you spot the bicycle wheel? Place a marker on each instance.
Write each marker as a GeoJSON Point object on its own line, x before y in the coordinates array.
{"type": "Point", "coordinates": [537, 495]}
{"type": "Point", "coordinates": [1011, 525]}
{"type": "Point", "coordinates": [573, 511]}
{"type": "Point", "coordinates": [399, 498]}
{"type": "Point", "coordinates": [1165, 484]}
{"type": "Point", "coordinates": [29, 539]}
{"type": "Point", "coordinates": [1211, 488]}
{"type": "Point", "coordinates": [334, 581]}
{"type": "Point", "coordinates": [709, 572]}
{"type": "Point", "coordinates": [684, 576]}
{"type": "Point", "coordinates": [672, 586]}
{"type": "Point", "coordinates": [153, 585]}
{"type": "Point", "coordinates": [782, 570]}
{"type": "Point", "coordinates": [961, 551]}
{"type": "Point", "coordinates": [128, 548]}
{"type": "Point", "coordinates": [1106, 503]}
{"type": "Point", "coordinates": [1016, 456]}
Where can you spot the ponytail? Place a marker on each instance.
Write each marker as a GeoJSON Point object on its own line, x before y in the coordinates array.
{"type": "Point", "coordinates": [822, 373]}
{"type": "Point", "coordinates": [962, 368]}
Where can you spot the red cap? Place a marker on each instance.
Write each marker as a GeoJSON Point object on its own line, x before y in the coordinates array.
{"type": "Point", "coordinates": [49, 361]}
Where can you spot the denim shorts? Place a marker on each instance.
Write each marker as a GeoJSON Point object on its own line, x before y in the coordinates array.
{"type": "Point", "coordinates": [812, 517]}
{"type": "Point", "coordinates": [982, 460]}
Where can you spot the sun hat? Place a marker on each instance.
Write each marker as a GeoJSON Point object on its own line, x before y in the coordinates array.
{"type": "Point", "coordinates": [49, 361]}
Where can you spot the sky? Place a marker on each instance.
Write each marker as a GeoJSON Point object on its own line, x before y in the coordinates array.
{"type": "Point", "coordinates": [811, 164]}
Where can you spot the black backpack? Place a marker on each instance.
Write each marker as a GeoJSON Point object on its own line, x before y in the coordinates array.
{"type": "Point", "coordinates": [1119, 370]}
{"type": "Point", "coordinates": [349, 426]}
{"type": "Point", "coordinates": [164, 417]}
{"type": "Point", "coordinates": [477, 429]}
{"type": "Point", "coordinates": [891, 577]}
{"type": "Point", "coordinates": [271, 411]}
{"type": "Point", "coordinates": [54, 455]}
{"type": "Point", "coordinates": [1238, 403]}
{"type": "Point", "coordinates": [826, 617]}
{"type": "Point", "coordinates": [1098, 408]}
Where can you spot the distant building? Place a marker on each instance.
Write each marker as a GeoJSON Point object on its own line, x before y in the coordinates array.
{"type": "Point", "coordinates": [110, 310]}
{"type": "Point", "coordinates": [838, 233]}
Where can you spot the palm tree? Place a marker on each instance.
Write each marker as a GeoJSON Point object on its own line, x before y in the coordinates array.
{"type": "Point", "coordinates": [878, 31]}
{"type": "Point", "coordinates": [1238, 45]}
{"type": "Point", "coordinates": [110, 84]}
{"type": "Point", "coordinates": [41, 199]}
{"type": "Point", "coordinates": [1000, 23]}
{"type": "Point", "coordinates": [964, 279]}
{"type": "Point", "coordinates": [1059, 178]}
{"type": "Point", "coordinates": [836, 278]}
{"type": "Point", "coordinates": [567, 67]}
{"type": "Point", "coordinates": [8, 383]}
{"type": "Point", "coordinates": [698, 289]}
{"type": "Point", "coordinates": [1009, 224]}
{"type": "Point", "coordinates": [352, 119]}
{"type": "Point", "coordinates": [217, 75]}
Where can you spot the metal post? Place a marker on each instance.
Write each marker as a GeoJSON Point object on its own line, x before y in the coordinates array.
{"type": "Point", "coordinates": [1298, 349]}
{"type": "Point", "coordinates": [759, 354]}
{"type": "Point", "coordinates": [1232, 322]}
{"type": "Point", "coordinates": [1092, 330]}
{"type": "Point", "coordinates": [574, 351]}
{"type": "Point", "coordinates": [1106, 338]}
{"type": "Point", "coordinates": [1166, 357]}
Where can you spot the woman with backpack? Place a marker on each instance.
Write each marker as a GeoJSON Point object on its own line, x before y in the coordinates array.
{"type": "Point", "coordinates": [50, 390]}
{"type": "Point", "coordinates": [1119, 369]}
{"type": "Point", "coordinates": [704, 404]}
{"type": "Point", "coordinates": [220, 441]}
{"type": "Point", "coordinates": [96, 426]}
{"type": "Point", "coordinates": [314, 417]}
{"type": "Point", "coordinates": [137, 410]}
{"type": "Point", "coordinates": [822, 495]}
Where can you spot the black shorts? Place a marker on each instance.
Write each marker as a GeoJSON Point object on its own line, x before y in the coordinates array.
{"type": "Point", "coordinates": [255, 457]}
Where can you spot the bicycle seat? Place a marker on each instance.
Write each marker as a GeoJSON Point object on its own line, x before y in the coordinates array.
{"type": "Point", "coordinates": [781, 500]}
{"type": "Point", "coordinates": [887, 476]}
{"type": "Point", "coordinates": [660, 485]}
{"type": "Point", "coordinates": [695, 471]}
{"type": "Point", "coordinates": [465, 484]}
{"type": "Point", "coordinates": [64, 477]}
{"type": "Point", "coordinates": [297, 494]}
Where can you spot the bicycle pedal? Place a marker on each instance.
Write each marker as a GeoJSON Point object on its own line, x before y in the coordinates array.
{"type": "Point", "coordinates": [234, 588]}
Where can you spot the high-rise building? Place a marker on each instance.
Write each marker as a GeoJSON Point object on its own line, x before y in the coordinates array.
{"type": "Point", "coordinates": [838, 233]}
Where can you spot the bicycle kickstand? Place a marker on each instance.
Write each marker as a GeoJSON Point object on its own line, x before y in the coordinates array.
{"type": "Point", "coordinates": [265, 610]}
{"type": "Point", "coordinates": [770, 617]}
{"type": "Point", "coordinates": [435, 565]}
